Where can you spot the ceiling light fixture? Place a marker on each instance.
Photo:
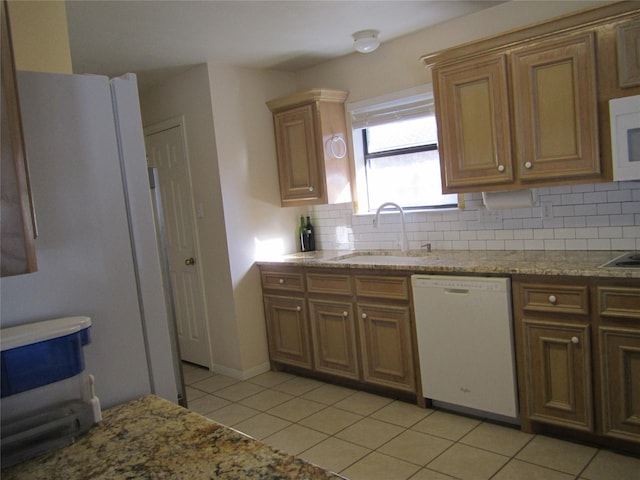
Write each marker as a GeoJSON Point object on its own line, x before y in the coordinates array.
{"type": "Point", "coordinates": [366, 41]}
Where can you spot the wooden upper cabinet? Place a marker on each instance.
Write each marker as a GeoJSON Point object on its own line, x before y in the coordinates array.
{"type": "Point", "coordinates": [311, 145]}
{"type": "Point", "coordinates": [555, 109]}
{"type": "Point", "coordinates": [519, 118]}
{"type": "Point", "coordinates": [628, 50]}
{"type": "Point", "coordinates": [529, 108]}
{"type": "Point", "coordinates": [473, 123]}
{"type": "Point", "coordinates": [18, 228]}
{"type": "Point", "coordinates": [299, 167]}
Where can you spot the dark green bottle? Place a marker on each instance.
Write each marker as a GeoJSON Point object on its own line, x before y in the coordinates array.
{"type": "Point", "coordinates": [310, 237]}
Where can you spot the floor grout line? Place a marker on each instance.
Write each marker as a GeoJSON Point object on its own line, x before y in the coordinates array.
{"type": "Point", "coordinates": [302, 394]}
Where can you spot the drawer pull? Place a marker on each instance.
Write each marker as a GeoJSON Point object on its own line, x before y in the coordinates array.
{"type": "Point", "coordinates": [553, 299]}
{"type": "Point", "coordinates": [575, 340]}
{"type": "Point", "coordinates": [298, 308]}
{"type": "Point", "coordinates": [281, 281]}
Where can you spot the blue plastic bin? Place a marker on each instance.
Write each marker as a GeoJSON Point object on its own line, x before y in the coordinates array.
{"type": "Point", "coordinates": [41, 353]}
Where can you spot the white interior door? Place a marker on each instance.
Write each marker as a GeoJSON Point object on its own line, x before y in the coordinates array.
{"type": "Point", "coordinates": [166, 153]}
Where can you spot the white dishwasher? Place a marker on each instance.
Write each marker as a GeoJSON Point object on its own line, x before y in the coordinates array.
{"type": "Point", "coordinates": [465, 344]}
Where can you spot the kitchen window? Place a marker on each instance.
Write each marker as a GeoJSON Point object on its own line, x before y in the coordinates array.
{"type": "Point", "coordinates": [396, 153]}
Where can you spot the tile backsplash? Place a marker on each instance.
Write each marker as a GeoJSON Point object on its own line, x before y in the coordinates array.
{"type": "Point", "coordinates": [603, 216]}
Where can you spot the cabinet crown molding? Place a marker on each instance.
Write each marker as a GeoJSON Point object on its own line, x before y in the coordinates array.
{"type": "Point", "coordinates": [530, 33]}
{"type": "Point", "coordinates": [308, 96]}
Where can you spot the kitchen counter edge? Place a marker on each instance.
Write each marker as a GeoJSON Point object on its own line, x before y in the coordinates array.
{"type": "Point", "coordinates": [583, 263]}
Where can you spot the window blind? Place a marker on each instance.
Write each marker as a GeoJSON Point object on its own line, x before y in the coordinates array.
{"type": "Point", "coordinates": [392, 108]}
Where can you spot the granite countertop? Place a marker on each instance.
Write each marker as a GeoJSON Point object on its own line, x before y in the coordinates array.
{"type": "Point", "coordinates": [497, 262]}
{"type": "Point", "coordinates": [152, 438]}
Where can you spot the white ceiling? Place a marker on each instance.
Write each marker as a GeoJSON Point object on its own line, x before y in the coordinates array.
{"type": "Point", "coordinates": [155, 38]}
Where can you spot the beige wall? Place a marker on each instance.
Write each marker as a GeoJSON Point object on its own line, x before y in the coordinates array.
{"type": "Point", "coordinates": [40, 36]}
{"type": "Point", "coordinates": [250, 191]}
{"type": "Point", "coordinates": [396, 65]}
{"type": "Point", "coordinates": [188, 94]}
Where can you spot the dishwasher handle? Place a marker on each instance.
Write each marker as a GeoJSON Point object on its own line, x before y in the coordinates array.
{"type": "Point", "coordinates": [457, 291]}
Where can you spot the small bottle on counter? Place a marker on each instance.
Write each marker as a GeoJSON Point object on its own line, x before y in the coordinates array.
{"type": "Point", "coordinates": [310, 238]}
{"type": "Point", "coordinates": [302, 235]}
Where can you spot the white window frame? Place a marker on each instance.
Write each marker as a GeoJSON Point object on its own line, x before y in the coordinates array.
{"type": "Point", "coordinates": [407, 103]}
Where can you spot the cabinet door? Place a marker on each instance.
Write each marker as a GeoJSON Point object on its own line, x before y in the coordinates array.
{"type": "Point", "coordinates": [287, 330]}
{"type": "Point", "coordinates": [620, 370]}
{"type": "Point", "coordinates": [18, 227]}
{"type": "Point", "coordinates": [299, 167]}
{"type": "Point", "coordinates": [473, 123]}
{"type": "Point", "coordinates": [557, 366]}
{"type": "Point", "coordinates": [629, 54]}
{"type": "Point", "coordinates": [385, 339]}
{"type": "Point", "coordinates": [334, 338]}
{"type": "Point", "coordinates": [555, 109]}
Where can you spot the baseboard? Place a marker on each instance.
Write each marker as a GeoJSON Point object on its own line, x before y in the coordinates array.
{"type": "Point", "coordinates": [241, 374]}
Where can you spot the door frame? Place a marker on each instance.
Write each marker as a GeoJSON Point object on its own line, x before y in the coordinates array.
{"type": "Point", "coordinates": [173, 122]}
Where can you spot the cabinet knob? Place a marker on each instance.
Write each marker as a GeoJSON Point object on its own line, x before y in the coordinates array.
{"type": "Point", "coordinates": [575, 340]}
{"type": "Point", "coordinates": [552, 299]}
{"type": "Point", "coordinates": [311, 189]}
{"type": "Point", "coordinates": [528, 165]}
{"type": "Point", "coordinates": [345, 314]}
{"type": "Point", "coordinates": [501, 168]}
{"type": "Point", "coordinates": [281, 281]}
{"type": "Point", "coordinates": [298, 308]}
{"type": "Point", "coordinates": [364, 315]}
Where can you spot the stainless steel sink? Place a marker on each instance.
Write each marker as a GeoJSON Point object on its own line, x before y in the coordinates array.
{"type": "Point", "coordinates": [379, 259]}
{"type": "Point", "coordinates": [376, 259]}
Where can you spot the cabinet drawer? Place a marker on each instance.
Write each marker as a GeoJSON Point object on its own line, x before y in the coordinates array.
{"type": "Point", "coordinates": [396, 288]}
{"type": "Point", "coordinates": [286, 280]}
{"type": "Point", "coordinates": [619, 302]}
{"type": "Point", "coordinates": [329, 283]}
{"type": "Point", "coordinates": [556, 298]}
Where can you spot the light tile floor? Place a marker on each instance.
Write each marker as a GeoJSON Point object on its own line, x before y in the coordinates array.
{"type": "Point", "coordinates": [369, 437]}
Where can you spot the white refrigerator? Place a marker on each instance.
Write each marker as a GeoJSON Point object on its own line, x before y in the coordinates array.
{"type": "Point", "coordinates": [97, 249]}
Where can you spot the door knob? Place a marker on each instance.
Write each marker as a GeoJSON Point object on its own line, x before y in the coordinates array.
{"type": "Point", "coordinates": [190, 261]}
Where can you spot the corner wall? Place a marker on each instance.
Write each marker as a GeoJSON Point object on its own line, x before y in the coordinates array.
{"type": "Point", "coordinates": [255, 222]}
{"type": "Point", "coordinates": [231, 148]}
{"type": "Point", "coordinates": [188, 94]}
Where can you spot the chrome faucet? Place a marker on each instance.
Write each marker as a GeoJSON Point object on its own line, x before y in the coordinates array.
{"type": "Point", "coordinates": [404, 241]}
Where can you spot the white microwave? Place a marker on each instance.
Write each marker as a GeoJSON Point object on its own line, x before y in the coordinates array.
{"type": "Point", "coordinates": [625, 137]}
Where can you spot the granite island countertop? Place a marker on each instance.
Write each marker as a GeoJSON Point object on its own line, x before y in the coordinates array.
{"type": "Point", "coordinates": [494, 262]}
{"type": "Point", "coordinates": [152, 438]}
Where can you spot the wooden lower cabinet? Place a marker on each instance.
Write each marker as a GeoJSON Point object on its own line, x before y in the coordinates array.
{"type": "Point", "coordinates": [351, 326]}
{"type": "Point", "coordinates": [386, 346]}
{"type": "Point", "coordinates": [578, 356]}
{"type": "Point", "coordinates": [557, 359]}
{"type": "Point", "coordinates": [334, 338]}
{"type": "Point", "coordinates": [618, 311]}
{"type": "Point", "coordinates": [288, 330]}
{"type": "Point", "coordinates": [620, 370]}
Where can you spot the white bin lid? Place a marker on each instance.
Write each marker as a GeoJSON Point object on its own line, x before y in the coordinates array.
{"type": "Point", "coordinates": [29, 333]}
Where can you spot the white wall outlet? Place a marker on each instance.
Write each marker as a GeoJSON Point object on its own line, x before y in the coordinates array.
{"type": "Point", "coordinates": [489, 216]}
{"type": "Point", "coordinates": [546, 211]}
